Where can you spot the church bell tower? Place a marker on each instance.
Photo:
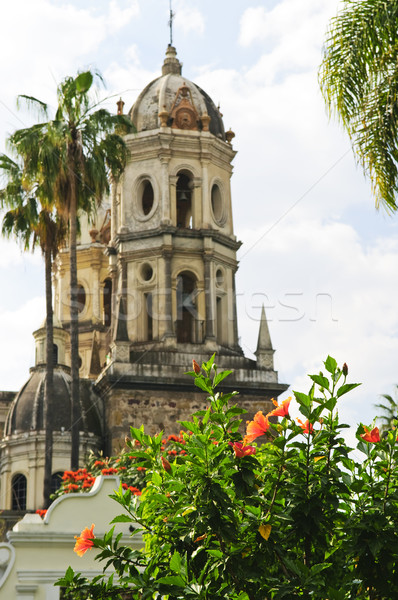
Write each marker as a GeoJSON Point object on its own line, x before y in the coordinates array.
{"type": "Point", "coordinates": [170, 281]}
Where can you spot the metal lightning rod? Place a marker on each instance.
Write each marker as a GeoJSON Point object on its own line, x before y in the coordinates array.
{"type": "Point", "coordinates": [171, 24]}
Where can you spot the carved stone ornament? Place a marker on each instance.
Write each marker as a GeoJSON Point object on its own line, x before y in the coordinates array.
{"type": "Point", "coordinates": [183, 113]}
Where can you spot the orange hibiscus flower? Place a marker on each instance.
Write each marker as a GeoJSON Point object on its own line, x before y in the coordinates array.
{"type": "Point", "coordinates": [307, 427]}
{"type": "Point", "coordinates": [259, 426]}
{"type": "Point", "coordinates": [371, 436]}
{"type": "Point", "coordinates": [84, 541]}
{"type": "Point", "coordinates": [281, 410]}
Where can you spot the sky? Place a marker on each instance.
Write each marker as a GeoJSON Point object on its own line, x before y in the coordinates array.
{"type": "Point", "coordinates": [316, 252]}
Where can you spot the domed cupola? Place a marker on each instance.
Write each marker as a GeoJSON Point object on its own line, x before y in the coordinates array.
{"type": "Point", "coordinates": [22, 447]}
{"type": "Point", "coordinates": [27, 411]}
{"type": "Point", "coordinates": [174, 101]}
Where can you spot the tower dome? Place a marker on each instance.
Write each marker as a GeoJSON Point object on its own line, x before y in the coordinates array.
{"type": "Point", "coordinates": [173, 101]}
{"type": "Point", "coordinates": [23, 446]}
{"type": "Point", "coordinates": [27, 410]}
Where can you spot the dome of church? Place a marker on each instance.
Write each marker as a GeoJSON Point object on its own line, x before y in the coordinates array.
{"type": "Point", "coordinates": [173, 101]}
{"type": "Point", "coordinates": [26, 413]}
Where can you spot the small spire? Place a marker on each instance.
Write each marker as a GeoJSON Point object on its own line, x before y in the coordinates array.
{"type": "Point", "coordinates": [121, 334]}
{"type": "Point", "coordinates": [120, 105]}
{"type": "Point", "coordinates": [264, 352]}
{"type": "Point", "coordinates": [171, 63]}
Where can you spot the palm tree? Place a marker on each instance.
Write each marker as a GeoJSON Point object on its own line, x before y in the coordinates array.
{"type": "Point", "coordinates": [390, 411]}
{"type": "Point", "coordinates": [359, 81]}
{"type": "Point", "coordinates": [30, 219]}
{"type": "Point", "coordinates": [78, 151]}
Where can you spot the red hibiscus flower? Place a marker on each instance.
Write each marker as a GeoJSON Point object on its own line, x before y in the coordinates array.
{"type": "Point", "coordinates": [259, 426]}
{"type": "Point", "coordinates": [371, 436]}
{"type": "Point", "coordinates": [307, 427]}
{"type": "Point", "coordinates": [241, 450]}
{"type": "Point", "coordinates": [84, 541]}
{"type": "Point", "coordinates": [281, 410]}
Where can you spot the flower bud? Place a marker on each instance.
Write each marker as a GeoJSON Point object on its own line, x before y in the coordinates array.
{"type": "Point", "coordinates": [166, 464]}
{"type": "Point", "coordinates": [345, 370]}
{"type": "Point", "coordinates": [195, 366]}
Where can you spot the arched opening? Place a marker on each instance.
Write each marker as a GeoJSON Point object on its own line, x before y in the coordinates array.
{"type": "Point", "coordinates": [148, 325]}
{"type": "Point", "coordinates": [18, 492]}
{"type": "Point", "coordinates": [107, 299]}
{"type": "Point", "coordinates": [81, 298]}
{"type": "Point", "coordinates": [184, 201]}
{"type": "Point", "coordinates": [147, 197]}
{"type": "Point", "coordinates": [187, 317]}
{"type": "Point", "coordinates": [56, 480]}
{"type": "Point", "coordinates": [55, 354]}
{"type": "Point", "coordinates": [217, 204]}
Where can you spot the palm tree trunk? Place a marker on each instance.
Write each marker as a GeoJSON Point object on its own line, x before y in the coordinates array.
{"type": "Point", "coordinates": [74, 323]}
{"type": "Point", "coordinates": [49, 387]}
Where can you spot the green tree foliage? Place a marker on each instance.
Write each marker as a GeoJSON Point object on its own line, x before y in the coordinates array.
{"type": "Point", "coordinates": [32, 219]}
{"type": "Point", "coordinates": [75, 154]}
{"type": "Point", "coordinates": [295, 518]}
{"type": "Point", "coordinates": [359, 81]}
{"type": "Point", "coordinates": [389, 409]}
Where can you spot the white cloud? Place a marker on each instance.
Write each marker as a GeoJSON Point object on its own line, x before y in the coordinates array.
{"type": "Point", "coordinates": [17, 348]}
{"type": "Point", "coordinates": [188, 18]}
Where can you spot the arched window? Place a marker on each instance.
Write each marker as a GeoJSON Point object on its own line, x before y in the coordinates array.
{"type": "Point", "coordinates": [107, 298]}
{"type": "Point", "coordinates": [147, 198]}
{"type": "Point", "coordinates": [55, 354]}
{"type": "Point", "coordinates": [217, 204]}
{"type": "Point", "coordinates": [81, 297]}
{"type": "Point", "coordinates": [148, 317]}
{"type": "Point", "coordinates": [184, 201]}
{"type": "Point", "coordinates": [18, 492]}
{"type": "Point", "coordinates": [186, 308]}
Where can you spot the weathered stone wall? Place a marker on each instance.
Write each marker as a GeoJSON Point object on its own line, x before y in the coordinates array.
{"type": "Point", "coordinates": [161, 411]}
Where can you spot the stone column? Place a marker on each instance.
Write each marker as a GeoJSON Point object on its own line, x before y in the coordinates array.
{"type": "Point", "coordinates": [210, 335]}
{"type": "Point", "coordinates": [168, 309]}
{"type": "Point", "coordinates": [165, 194]}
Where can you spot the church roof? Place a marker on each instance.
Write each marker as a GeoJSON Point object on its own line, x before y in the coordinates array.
{"type": "Point", "coordinates": [162, 97]}
{"type": "Point", "coordinates": [27, 410]}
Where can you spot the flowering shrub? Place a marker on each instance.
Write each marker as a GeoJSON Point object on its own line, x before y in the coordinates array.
{"type": "Point", "coordinates": [126, 465]}
{"type": "Point", "coordinates": [300, 517]}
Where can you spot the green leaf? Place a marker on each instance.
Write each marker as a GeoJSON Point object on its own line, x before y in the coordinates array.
{"type": "Point", "coordinates": [220, 376]}
{"type": "Point", "coordinates": [330, 365]}
{"type": "Point", "coordinates": [206, 366]}
{"type": "Point", "coordinates": [122, 519]}
{"type": "Point", "coordinates": [315, 569]}
{"type": "Point", "coordinates": [175, 562]}
{"type": "Point", "coordinates": [321, 381]}
{"type": "Point", "coordinates": [215, 553]}
{"type": "Point", "coordinates": [203, 384]}
{"type": "Point", "coordinates": [84, 82]}
{"type": "Point", "coordinates": [347, 387]}
{"type": "Point", "coordinates": [302, 399]}
{"type": "Point", "coordinates": [176, 580]}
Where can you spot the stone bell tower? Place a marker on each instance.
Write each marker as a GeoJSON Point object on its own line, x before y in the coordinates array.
{"type": "Point", "coordinates": [172, 253]}
{"type": "Point", "coordinates": [156, 274]}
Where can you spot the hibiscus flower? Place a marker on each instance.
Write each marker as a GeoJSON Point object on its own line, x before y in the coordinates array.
{"type": "Point", "coordinates": [259, 426]}
{"type": "Point", "coordinates": [84, 541]}
{"type": "Point", "coordinates": [307, 427]}
{"type": "Point", "coordinates": [241, 450]}
{"type": "Point", "coordinates": [281, 410]}
{"type": "Point", "coordinates": [371, 436]}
